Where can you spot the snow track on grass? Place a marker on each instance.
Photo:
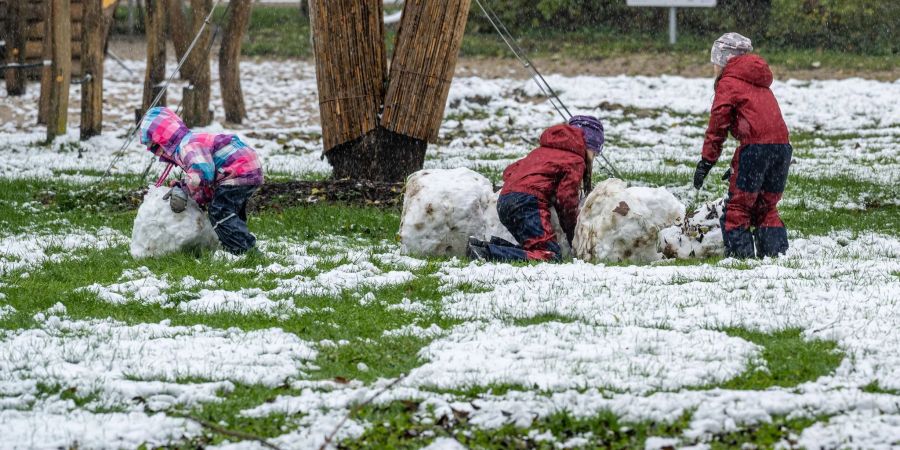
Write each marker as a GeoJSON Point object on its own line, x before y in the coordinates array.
{"type": "Point", "coordinates": [555, 356]}
{"type": "Point", "coordinates": [26, 251]}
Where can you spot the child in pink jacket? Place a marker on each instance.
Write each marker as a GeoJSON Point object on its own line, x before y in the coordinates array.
{"type": "Point", "coordinates": [220, 173]}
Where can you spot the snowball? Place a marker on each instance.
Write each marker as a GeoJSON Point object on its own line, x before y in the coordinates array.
{"type": "Point", "coordinates": [620, 223]}
{"type": "Point", "coordinates": [493, 227]}
{"type": "Point", "coordinates": [159, 231]}
{"type": "Point", "coordinates": [441, 209]}
{"type": "Point", "coordinates": [699, 235]}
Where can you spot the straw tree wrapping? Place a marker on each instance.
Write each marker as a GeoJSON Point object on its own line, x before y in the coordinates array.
{"type": "Point", "coordinates": [422, 66]}
{"type": "Point", "coordinates": [350, 67]}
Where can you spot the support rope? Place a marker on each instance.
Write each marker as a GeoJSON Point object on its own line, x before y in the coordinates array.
{"type": "Point", "coordinates": [538, 78]}
{"type": "Point", "coordinates": [130, 137]}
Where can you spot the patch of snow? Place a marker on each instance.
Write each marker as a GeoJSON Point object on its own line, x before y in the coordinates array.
{"type": "Point", "coordinates": [855, 430]}
{"type": "Point", "coordinates": [346, 277]}
{"type": "Point", "coordinates": [558, 356]}
{"type": "Point", "coordinates": [84, 429]}
{"type": "Point", "coordinates": [159, 231]}
{"type": "Point", "coordinates": [27, 251]}
{"type": "Point", "coordinates": [413, 330]}
{"type": "Point", "coordinates": [120, 362]}
{"type": "Point", "coordinates": [409, 306]}
{"type": "Point", "coordinates": [444, 443]}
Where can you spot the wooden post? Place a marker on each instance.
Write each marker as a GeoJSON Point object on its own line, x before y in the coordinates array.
{"type": "Point", "coordinates": [92, 33]}
{"type": "Point", "coordinates": [230, 61]}
{"type": "Point", "coordinates": [16, 81]}
{"type": "Point", "coordinates": [46, 71]}
{"type": "Point", "coordinates": [155, 73]}
{"type": "Point", "coordinates": [198, 114]}
{"type": "Point", "coordinates": [61, 68]}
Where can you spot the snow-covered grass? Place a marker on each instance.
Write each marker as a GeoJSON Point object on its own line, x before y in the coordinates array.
{"type": "Point", "coordinates": [100, 350]}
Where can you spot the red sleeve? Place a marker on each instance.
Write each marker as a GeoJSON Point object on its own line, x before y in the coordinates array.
{"type": "Point", "coordinates": [567, 197]}
{"type": "Point", "coordinates": [719, 121]}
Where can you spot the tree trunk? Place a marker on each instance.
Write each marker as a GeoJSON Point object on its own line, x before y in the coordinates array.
{"type": "Point", "coordinates": [230, 61]}
{"type": "Point", "coordinates": [16, 80]}
{"type": "Point", "coordinates": [155, 73]}
{"type": "Point", "coordinates": [350, 67]}
{"type": "Point", "coordinates": [196, 109]}
{"type": "Point", "coordinates": [178, 30]}
{"type": "Point", "coordinates": [422, 66]}
{"type": "Point", "coordinates": [92, 34]}
{"type": "Point", "coordinates": [61, 68]}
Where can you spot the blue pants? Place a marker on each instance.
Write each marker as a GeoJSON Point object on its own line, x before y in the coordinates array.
{"type": "Point", "coordinates": [528, 219]}
{"type": "Point", "coordinates": [758, 177]}
{"type": "Point", "coordinates": [228, 215]}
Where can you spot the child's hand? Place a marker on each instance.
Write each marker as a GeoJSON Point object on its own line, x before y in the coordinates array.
{"type": "Point", "coordinates": [177, 199]}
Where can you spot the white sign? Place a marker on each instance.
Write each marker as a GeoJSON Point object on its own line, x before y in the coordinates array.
{"type": "Point", "coordinates": [673, 3]}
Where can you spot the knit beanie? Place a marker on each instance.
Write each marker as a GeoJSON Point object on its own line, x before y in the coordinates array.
{"type": "Point", "coordinates": [728, 46]}
{"type": "Point", "coordinates": [593, 131]}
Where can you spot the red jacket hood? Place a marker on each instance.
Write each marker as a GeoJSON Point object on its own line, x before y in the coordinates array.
{"type": "Point", "coordinates": [564, 137]}
{"type": "Point", "coordinates": [750, 68]}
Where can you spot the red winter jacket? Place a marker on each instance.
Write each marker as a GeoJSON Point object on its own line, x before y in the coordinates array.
{"type": "Point", "coordinates": [744, 105]}
{"type": "Point", "coordinates": [552, 173]}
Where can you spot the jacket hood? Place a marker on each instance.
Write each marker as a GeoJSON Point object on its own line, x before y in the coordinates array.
{"type": "Point", "coordinates": [564, 137]}
{"type": "Point", "coordinates": [750, 68]}
{"type": "Point", "coordinates": [162, 126]}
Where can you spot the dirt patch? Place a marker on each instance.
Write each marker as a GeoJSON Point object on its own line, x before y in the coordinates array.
{"type": "Point", "coordinates": [650, 64]}
{"type": "Point", "coordinates": [281, 195]}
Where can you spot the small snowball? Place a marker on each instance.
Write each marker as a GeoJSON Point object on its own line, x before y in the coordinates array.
{"type": "Point", "coordinates": [699, 235]}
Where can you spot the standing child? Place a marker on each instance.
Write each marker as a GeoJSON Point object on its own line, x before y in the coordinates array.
{"type": "Point", "coordinates": [220, 172]}
{"type": "Point", "coordinates": [550, 176]}
{"type": "Point", "coordinates": [745, 106]}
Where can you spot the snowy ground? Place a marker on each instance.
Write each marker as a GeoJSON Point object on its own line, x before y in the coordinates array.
{"type": "Point", "coordinates": [99, 350]}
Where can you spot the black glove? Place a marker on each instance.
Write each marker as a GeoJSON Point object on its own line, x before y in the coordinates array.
{"type": "Point", "coordinates": [703, 168]}
{"type": "Point", "coordinates": [177, 199]}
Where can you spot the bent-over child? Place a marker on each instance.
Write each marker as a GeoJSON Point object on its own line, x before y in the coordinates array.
{"type": "Point", "coordinates": [549, 177]}
{"type": "Point", "coordinates": [221, 172]}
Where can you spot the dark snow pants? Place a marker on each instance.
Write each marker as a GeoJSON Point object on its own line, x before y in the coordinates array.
{"type": "Point", "coordinates": [528, 220]}
{"type": "Point", "coordinates": [228, 215]}
{"type": "Point", "coordinates": [758, 177]}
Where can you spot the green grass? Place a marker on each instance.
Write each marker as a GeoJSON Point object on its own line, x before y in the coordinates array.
{"type": "Point", "coordinates": [790, 359]}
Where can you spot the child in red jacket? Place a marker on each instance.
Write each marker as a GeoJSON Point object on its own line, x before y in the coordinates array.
{"type": "Point", "coordinates": [745, 106]}
{"type": "Point", "coordinates": [550, 176]}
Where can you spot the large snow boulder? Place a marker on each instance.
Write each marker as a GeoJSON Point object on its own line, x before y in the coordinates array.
{"type": "Point", "coordinates": [493, 227]}
{"type": "Point", "coordinates": [159, 231]}
{"type": "Point", "coordinates": [441, 209]}
{"type": "Point", "coordinates": [699, 235]}
{"type": "Point", "coordinates": [620, 223]}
